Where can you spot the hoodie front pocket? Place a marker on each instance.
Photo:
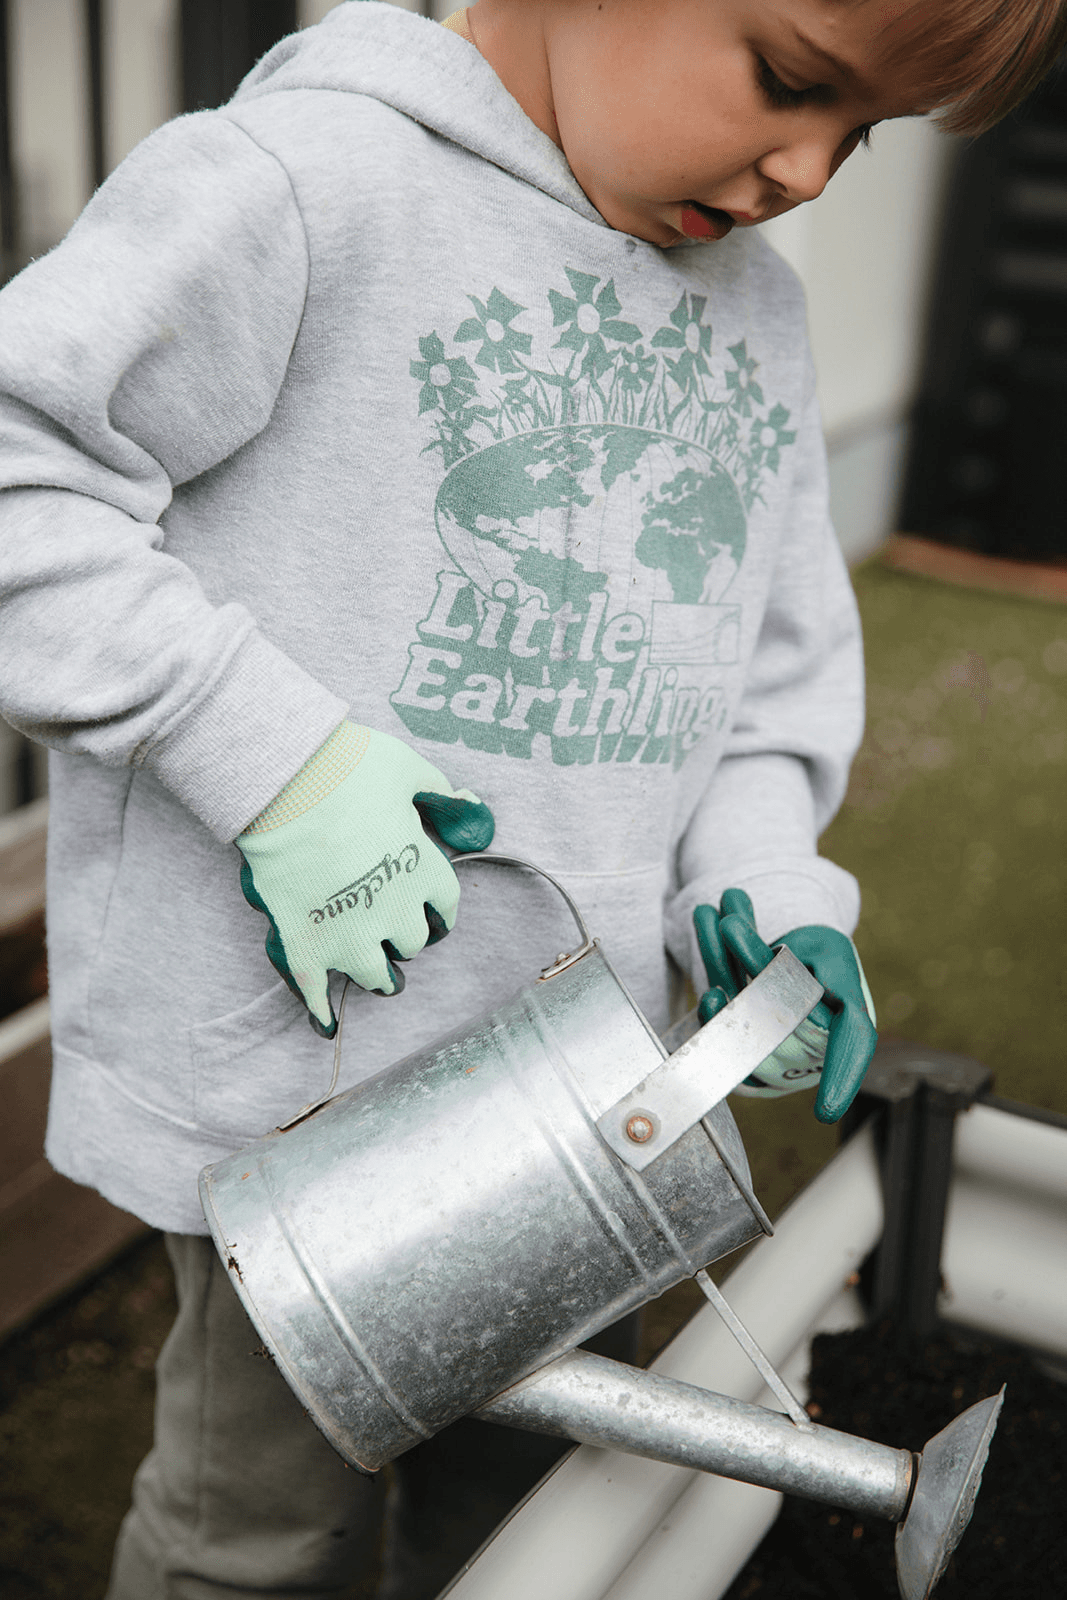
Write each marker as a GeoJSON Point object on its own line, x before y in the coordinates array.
{"type": "Point", "coordinates": [256, 1066]}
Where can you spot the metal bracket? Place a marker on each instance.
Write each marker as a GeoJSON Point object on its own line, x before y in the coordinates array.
{"type": "Point", "coordinates": [567, 958]}
{"type": "Point", "coordinates": [762, 1363]}
{"type": "Point", "coordinates": [673, 1097]}
{"type": "Point", "coordinates": [920, 1091]}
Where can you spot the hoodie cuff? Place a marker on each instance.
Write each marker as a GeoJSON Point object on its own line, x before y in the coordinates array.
{"type": "Point", "coordinates": [251, 732]}
{"type": "Point", "coordinates": [785, 895]}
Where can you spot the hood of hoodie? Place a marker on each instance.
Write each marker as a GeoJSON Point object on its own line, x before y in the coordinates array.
{"type": "Point", "coordinates": [429, 74]}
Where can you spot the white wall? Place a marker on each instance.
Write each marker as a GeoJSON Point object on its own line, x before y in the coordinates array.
{"type": "Point", "coordinates": [312, 11]}
{"type": "Point", "coordinates": [141, 72]}
{"type": "Point", "coordinates": [49, 103]}
{"type": "Point", "coordinates": [308, 12]}
{"type": "Point", "coordinates": [864, 252]}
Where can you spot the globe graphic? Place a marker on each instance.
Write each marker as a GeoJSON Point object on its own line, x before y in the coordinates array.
{"type": "Point", "coordinates": [553, 513]}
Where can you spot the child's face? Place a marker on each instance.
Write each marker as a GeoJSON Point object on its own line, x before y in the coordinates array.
{"type": "Point", "coordinates": [685, 118]}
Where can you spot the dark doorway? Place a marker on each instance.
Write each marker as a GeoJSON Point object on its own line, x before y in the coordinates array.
{"type": "Point", "coordinates": [222, 40]}
{"type": "Point", "coordinates": [988, 468]}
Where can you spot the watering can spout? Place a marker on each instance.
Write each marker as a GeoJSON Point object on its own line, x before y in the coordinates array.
{"type": "Point", "coordinates": [930, 1497]}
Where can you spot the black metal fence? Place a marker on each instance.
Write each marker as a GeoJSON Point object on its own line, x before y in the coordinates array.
{"type": "Point", "coordinates": [218, 41]}
{"type": "Point", "coordinates": [8, 203]}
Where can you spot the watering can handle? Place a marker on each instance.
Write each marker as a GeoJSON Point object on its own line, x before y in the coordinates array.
{"type": "Point", "coordinates": [561, 962]}
{"type": "Point", "coordinates": [568, 958]}
{"type": "Point", "coordinates": [683, 1089]}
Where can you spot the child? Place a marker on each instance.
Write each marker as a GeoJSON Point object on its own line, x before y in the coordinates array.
{"type": "Point", "coordinates": [433, 405]}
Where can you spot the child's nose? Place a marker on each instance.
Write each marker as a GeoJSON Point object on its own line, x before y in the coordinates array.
{"type": "Point", "coordinates": [801, 169]}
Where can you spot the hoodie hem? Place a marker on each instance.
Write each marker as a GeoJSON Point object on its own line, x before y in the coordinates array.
{"type": "Point", "coordinates": [152, 1172]}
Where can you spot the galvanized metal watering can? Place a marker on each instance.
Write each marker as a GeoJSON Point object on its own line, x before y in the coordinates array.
{"type": "Point", "coordinates": [416, 1246]}
{"type": "Point", "coordinates": [425, 1240]}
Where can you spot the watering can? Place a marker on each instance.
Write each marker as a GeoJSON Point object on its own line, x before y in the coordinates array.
{"type": "Point", "coordinates": [438, 1241]}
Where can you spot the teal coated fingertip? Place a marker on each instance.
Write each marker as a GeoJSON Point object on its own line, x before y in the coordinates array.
{"type": "Point", "coordinates": [713, 951]}
{"type": "Point", "coordinates": [851, 1046]}
{"type": "Point", "coordinates": [735, 902]}
{"type": "Point", "coordinates": [464, 825]}
{"type": "Point", "coordinates": [741, 939]}
{"type": "Point", "coordinates": [320, 1028]}
{"type": "Point", "coordinates": [712, 1001]}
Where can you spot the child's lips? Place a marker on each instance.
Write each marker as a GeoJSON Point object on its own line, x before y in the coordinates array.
{"type": "Point", "coordinates": [704, 222]}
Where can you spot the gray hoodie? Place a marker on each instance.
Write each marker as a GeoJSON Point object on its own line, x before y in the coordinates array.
{"type": "Point", "coordinates": [343, 400]}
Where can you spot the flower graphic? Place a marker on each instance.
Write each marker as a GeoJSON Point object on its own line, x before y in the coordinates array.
{"type": "Point", "coordinates": [770, 437]}
{"type": "Point", "coordinates": [588, 319]}
{"type": "Point", "coordinates": [691, 337]}
{"type": "Point", "coordinates": [449, 384]}
{"type": "Point", "coordinates": [492, 325]}
{"type": "Point", "coordinates": [601, 371]}
{"type": "Point", "coordinates": [746, 391]}
{"type": "Point", "coordinates": [636, 370]}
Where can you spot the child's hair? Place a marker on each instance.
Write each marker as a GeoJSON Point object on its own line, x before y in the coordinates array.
{"type": "Point", "coordinates": [977, 58]}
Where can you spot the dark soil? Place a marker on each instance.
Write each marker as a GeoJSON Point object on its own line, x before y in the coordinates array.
{"type": "Point", "coordinates": [23, 965]}
{"type": "Point", "coordinates": [76, 1397]}
{"type": "Point", "coordinates": [901, 1392]}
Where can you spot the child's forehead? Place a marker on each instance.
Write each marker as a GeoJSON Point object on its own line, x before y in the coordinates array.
{"type": "Point", "coordinates": [978, 58]}
{"type": "Point", "coordinates": [862, 43]}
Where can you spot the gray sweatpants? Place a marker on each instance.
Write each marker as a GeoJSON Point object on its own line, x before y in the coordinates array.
{"type": "Point", "coordinates": [241, 1494]}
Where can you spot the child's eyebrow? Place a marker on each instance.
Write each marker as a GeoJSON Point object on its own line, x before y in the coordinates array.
{"type": "Point", "coordinates": [841, 68]}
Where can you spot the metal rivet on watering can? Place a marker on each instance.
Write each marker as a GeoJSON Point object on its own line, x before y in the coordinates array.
{"type": "Point", "coordinates": [640, 1128]}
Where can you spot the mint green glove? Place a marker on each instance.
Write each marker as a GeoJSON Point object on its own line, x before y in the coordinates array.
{"type": "Point", "coordinates": [340, 864]}
{"type": "Point", "coordinates": [834, 1045]}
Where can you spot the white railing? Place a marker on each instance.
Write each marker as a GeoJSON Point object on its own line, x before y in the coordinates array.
{"type": "Point", "coordinates": [1004, 1254]}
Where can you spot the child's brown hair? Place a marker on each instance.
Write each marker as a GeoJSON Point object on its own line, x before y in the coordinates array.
{"type": "Point", "coordinates": [977, 58]}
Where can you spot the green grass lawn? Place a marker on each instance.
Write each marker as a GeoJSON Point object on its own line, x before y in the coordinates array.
{"type": "Point", "coordinates": [955, 824]}
{"type": "Point", "coordinates": [956, 827]}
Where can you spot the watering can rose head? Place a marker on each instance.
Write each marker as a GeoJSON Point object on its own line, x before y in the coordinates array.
{"type": "Point", "coordinates": [834, 1045]}
{"type": "Point", "coordinates": [342, 866]}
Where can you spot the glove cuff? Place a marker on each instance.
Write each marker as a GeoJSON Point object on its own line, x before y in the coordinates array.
{"type": "Point", "coordinates": [323, 772]}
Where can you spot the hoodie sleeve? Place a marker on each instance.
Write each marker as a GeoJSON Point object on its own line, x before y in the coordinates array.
{"type": "Point", "coordinates": [144, 350]}
{"type": "Point", "coordinates": [798, 726]}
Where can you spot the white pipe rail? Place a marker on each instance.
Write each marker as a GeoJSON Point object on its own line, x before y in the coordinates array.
{"type": "Point", "coordinates": [1005, 1244]}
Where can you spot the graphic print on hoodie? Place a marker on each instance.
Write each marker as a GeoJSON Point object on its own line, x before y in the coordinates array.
{"type": "Point", "coordinates": [596, 478]}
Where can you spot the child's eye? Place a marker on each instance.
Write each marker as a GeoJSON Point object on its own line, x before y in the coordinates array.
{"type": "Point", "coordinates": [785, 97]}
{"type": "Point", "coordinates": [777, 92]}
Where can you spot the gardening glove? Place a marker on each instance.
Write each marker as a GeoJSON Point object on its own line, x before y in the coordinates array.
{"type": "Point", "coordinates": [340, 864]}
{"type": "Point", "coordinates": [834, 1044]}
